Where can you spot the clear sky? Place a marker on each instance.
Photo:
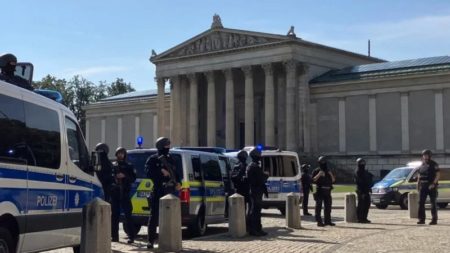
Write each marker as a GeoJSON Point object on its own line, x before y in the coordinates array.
{"type": "Point", "coordinates": [105, 39]}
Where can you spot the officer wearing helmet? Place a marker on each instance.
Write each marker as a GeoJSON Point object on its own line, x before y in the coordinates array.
{"type": "Point", "coordinates": [8, 64]}
{"type": "Point", "coordinates": [257, 179]}
{"type": "Point", "coordinates": [162, 171]}
{"type": "Point", "coordinates": [324, 179]}
{"type": "Point", "coordinates": [427, 186]}
{"type": "Point", "coordinates": [123, 176]}
{"type": "Point", "coordinates": [105, 173]}
{"type": "Point", "coordinates": [364, 183]}
{"type": "Point", "coordinates": [306, 181]}
{"type": "Point", "coordinates": [239, 177]}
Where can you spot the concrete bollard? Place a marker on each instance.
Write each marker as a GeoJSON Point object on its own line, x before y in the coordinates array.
{"type": "Point", "coordinates": [169, 224]}
{"type": "Point", "coordinates": [236, 222]}
{"type": "Point", "coordinates": [96, 227]}
{"type": "Point", "coordinates": [293, 219]}
{"type": "Point", "coordinates": [350, 208]}
{"type": "Point", "coordinates": [413, 205]}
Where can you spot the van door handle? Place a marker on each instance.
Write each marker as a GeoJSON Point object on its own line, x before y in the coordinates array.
{"type": "Point", "coordinates": [72, 179]}
{"type": "Point", "coordinates": [59, 177]}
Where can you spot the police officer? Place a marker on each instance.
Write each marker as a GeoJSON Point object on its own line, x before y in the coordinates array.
{"type": "Point", "coordinates": [257, 181]}
{"type": "Point", "coordinates": [239, 177]}
{"type": "Point", "coordinates": [8, 64]}
{"type": "Point", "coordinates": [306, 181]}
{"type": "Point", "coordinates": [324, 179]}
{"type": "Point", "coordinates": [123, 176]}
{"type": "Point", "coordinates": [427, 186]}
{"type": "Point", "coordinates": [364, 183]}
{"type": "Point", "coordinates": [161, 170]}
{"type": "Point", "coordinates": [105, 173]}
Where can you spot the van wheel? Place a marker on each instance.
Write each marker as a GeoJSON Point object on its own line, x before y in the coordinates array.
{"type": "Point", "coordinates": [6, 241]}
{"type": "Point", "coordinates": [198, 225]}
{"type": "Point", "coordinates": [404, 201]}
{"type": "Point", "coordinates": [442, 205]}
{"type": "Point", "coordinates": [282, 210]}
{"type": "Point", "coordinates": [381, 206]}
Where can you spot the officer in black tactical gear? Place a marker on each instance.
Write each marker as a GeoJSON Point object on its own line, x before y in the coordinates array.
{"type": "Point", "coordinates": [257, 179]}
{"type": "Point", "coordinates": [162, 171]}
{"type": "Point", "coordinates": [239, 177]}
{"type": "Point", "coordinates": [364, 183]}
{"type": "Point", "coordinates": [324, 179]}
{"type": "Point", "coordinates": [8, 64]}
{"type": "Point", "coordinates": [105, 173]}
{"type": "Point", "coordinates": [306, 181]}
{"type": "Point", "coordinates": [123, 176]}
{"type": "Point", "coordinates": [427, 186]}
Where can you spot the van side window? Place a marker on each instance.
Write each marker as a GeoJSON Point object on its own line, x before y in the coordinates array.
{"type": "Point", "coordinates": [78, 153]}
{"type": "Point", "coordinates": [290, 167]}
{"type": "Point", "coordinates": [266, 164]}
{"type": "Point", "coordinates": [276, 170]}
{"type": "Point", "coordinates": [196, 168]}
{"type": "Point", "coordinates": [211, 170]}
{"type": "Point", "coordinates": [13, 148]}
{"type": "Point", "coordinates": [43, 135]}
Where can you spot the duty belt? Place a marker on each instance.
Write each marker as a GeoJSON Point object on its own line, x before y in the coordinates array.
{"type": "Point", "coordinates": [324, 187]}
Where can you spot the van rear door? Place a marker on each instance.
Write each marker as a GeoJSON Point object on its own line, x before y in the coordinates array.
{"type": "Point", "coordinates": [213, 185]}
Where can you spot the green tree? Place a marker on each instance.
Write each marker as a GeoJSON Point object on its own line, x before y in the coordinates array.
{"type": "Point", "coordinates": [52, 83]}
{"type": "Point", "coordinates": [119, 86]}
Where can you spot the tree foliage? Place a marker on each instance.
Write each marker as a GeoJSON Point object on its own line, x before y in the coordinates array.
{"type": "Point", "coordinates": [78, 92]}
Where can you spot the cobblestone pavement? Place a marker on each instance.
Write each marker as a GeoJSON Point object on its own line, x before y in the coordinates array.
{"type": "Point", "coordinates": [390, 231]}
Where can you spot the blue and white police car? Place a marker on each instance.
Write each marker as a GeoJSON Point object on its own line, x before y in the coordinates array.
{"type": "Point", "coordinates": [46, 176]}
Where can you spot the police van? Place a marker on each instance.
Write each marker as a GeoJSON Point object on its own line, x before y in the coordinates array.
{"type": "Point", "coordinates": [284, 175]}
{"type": "Point", "coordinates": [46, 176]}
{"type": "Point", "coordinates": [205, 180]}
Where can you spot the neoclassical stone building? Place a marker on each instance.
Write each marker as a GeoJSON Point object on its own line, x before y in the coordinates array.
{"type": "Point", "coordinates": [233, 88]}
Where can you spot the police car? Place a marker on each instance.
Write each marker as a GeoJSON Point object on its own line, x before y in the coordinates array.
{"type": "Point", "coordinates": [205, 180]}
{"type": "Point", "coordinates": [46, 176]}
{"type": "Point", "coordinates": [284, 175]}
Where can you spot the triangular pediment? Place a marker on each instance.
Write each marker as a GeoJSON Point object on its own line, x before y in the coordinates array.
{"type": "Point", "coordinates": [215, 40]}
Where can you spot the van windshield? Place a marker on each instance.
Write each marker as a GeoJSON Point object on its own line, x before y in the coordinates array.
{"type": "Point", "coordinates": [138, 160]}
{"type": "Point", "coordinates": [399, 173]}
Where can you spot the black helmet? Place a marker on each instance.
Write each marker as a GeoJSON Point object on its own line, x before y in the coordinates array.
{"type": "Point", "coordinates": [427, 152]}
{"type": "Point", "coordinates": [7, 58]}
{"type": "Point", "coordinates": [322, 159]}
{"type": "Point", "coordinates": [305, 167]}
{"type": "Point", "coordinates": [360, 161]}
{"type": "Point", "coordinates": [121, 149]}
{"type": "Point", "coordinates": [102, 147]}
{"type": "Point", "coordinates": [161, 142]}
{"type": "Point", "coordinates": [242, 155]}
{"type": "Point", "coordinates": [255, 154]}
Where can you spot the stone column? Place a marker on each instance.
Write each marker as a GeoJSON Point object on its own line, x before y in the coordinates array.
{"type": "Point", "coordinates": [193, 110]}
{"type": "Point", "coordinates": [229, 109]}
{"type": "Point", "coordinates": [303, 109]}
{"type": "Point", "coordinates": [281, 111]}
{"type": "Point", "coordinates": [161, 83]}
{"type": "Point", "coordinates": [439, 113]}
{"type": "Point", "coordinates": [291, 137]}
{"type": "Point", "coordinates": [211, 110]}
{"type": "Point", "coordinates": [175, 111]}
{"type": "Point", "coordinates": [249, 107]}
{"type": "Point", "coordinates": [373, 122]}
{"type": "Point", "coordinates": [184, 110]}
{"type": "Point", "coordinates": [269, 104]}
{"type": "Point", "coordinates": [404, 98]}
{"type": "Point", "coordinates": [342, 126]}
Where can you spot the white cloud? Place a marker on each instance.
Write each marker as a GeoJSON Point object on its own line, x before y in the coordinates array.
{"type": "Point", "coordinates": [96, 70]}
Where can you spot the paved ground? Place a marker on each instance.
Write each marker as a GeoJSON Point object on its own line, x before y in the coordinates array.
{"type": "Point", "coordinates": [390, 231]}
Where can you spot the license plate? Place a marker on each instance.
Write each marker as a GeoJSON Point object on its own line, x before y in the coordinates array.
{"type": "Point", "coordinates": [376, 200]}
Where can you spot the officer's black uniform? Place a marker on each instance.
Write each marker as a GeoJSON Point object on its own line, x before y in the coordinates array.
{"type": "Point", "coordinates": [239, 177]}
{"type": "Point", "coordinates": [427, 176]}
{"type": "Point", "coordinates": [324, 185]}
{"type": "Point", "coordinates": [8, 69]}
{"type": "Point", "coordinates": [105, 174]}
{"type": "Point", "coordinates": [120, 197]}
{"type": "Point", "coordinates": [364, 183]}
{"type": "Point", "coordinates": [162, 185]}
{"type": "Point", "coordinates": [257, 181]}
{"type": "Point", "coordinates": [306, 181]}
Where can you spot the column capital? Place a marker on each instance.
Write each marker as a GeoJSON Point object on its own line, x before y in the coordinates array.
{"type": "Point", "coordinates": [175, 80]}
{"type": "Point", "coordinates": [302, 68]}
{"type": "Point", "coordinates": [228, 73]}
{"type": "Point", "coordinates": [209, 76]}
{"type": "Point", "coordinates": [291, 65]}
{"type": "Point", "coordinates": [268, 69]}
{"type": "Point", "coordinates": [160, 81]}
{"type": "Point", "coordinates": [247, 71]}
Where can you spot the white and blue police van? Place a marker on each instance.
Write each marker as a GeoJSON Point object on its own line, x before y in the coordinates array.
{"type": "Point", "coordinates": [284, 175]}
{"type": "Point", "coordinates": [46, 174]}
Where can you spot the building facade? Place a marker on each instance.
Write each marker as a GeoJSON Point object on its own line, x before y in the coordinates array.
{"type": "Point", "coordinates": [235, 88]}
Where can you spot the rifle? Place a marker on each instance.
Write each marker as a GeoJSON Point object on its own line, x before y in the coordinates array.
{"type": "Point", "coordinates": [169, 167]}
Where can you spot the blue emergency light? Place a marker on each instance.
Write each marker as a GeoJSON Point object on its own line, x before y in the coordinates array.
{"type": "Point", "coordinates": [260, 147]}
{"type": "Point", "coordinates": [140, 141]}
